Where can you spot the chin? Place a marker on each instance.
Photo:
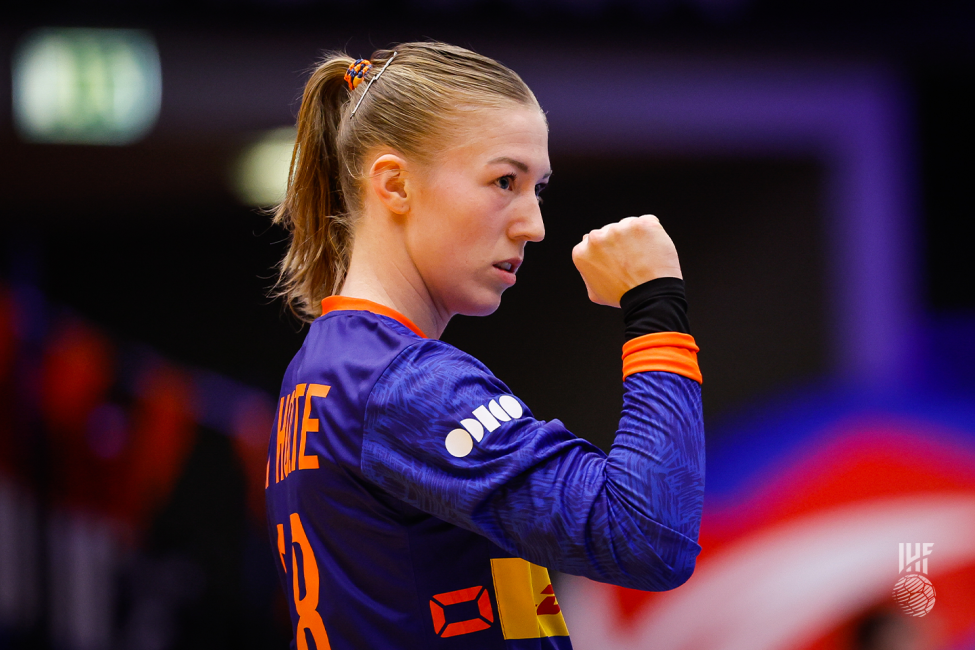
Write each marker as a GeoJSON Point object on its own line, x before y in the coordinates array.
{"type": "Point", "coordinates": [482, 305]}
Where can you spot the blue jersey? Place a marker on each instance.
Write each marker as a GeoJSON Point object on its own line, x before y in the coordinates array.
{"type": "Point", "coordinates": [414, 502]}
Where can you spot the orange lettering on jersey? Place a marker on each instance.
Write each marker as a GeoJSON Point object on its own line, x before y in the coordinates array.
{"type": "Point", "coordinates": [292, 431]}
{"type": "Point", "coordinates": [296, 423]}
{"type": "Point", "coordinates": [289, 435]}
{"type": "Point", "coordinates": [285, 428]}
{"type": "Point", "coordinates": [281, 546]}
{"type": "Point", "coordinates": [288, 419]}
{"type": "Point", "coordinates": [308, 617]}
{"type": "Point", "coordinates": [279, 448]}
{"type": "Point", "coordinates": [310, 424]}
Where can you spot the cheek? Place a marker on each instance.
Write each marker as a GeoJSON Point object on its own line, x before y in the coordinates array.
{"type": "Point", "coordinates": [447, 252]}
{"type": "Point", "coordinates": [439, 243]}
{"type": "Point", "coordinates": [461, 227]}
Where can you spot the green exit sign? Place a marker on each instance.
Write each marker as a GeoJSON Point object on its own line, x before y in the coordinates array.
{"type": "Point", "coordinates": [86, 86]}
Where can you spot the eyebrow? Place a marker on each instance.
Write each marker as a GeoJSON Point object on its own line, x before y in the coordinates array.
{"type": "Point", "coordinates": [516, 163]}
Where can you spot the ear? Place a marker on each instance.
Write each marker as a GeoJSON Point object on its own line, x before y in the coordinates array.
{"type": "Point", "coordinates": [387, 176]}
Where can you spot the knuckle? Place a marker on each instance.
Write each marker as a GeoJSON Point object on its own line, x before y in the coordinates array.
{"type": "Point", "coordinates": [649, 224]}
{"type": "Point", "coordinates": [652, 227]}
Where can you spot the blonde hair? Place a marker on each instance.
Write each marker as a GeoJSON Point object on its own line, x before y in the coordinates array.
{"type": "Point", "coordinates": [420, 97]}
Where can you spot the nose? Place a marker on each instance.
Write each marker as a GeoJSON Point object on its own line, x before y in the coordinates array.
{"type": "Point", "coordinates": [528, 226]}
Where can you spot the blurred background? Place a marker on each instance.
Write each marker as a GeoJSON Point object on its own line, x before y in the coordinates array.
{"type": "Point", "coordinates": [810, 159]}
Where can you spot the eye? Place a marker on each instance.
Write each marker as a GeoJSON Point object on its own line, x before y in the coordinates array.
{"type": "Point", "coordinates": [538, 191]}
{"type": "Point", "coordinates": [506, 182]}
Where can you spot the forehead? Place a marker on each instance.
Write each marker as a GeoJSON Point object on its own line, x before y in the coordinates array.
{"type": "Point", "coordinates": [519, 132]}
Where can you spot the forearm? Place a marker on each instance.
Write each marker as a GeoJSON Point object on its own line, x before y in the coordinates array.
{"type": "Point", "coordinates": [657, 458]}
{"type": "Point", "coordinates": [656, 468]}
{"type": "Point", "coordinates": [643, 514]}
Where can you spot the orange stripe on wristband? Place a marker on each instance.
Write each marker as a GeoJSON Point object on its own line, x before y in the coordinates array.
{"type": "Point", "coordinates": [664, 351]}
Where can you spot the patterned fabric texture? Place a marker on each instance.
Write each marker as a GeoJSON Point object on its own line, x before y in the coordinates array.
{"type": "Point", "coordinates": [415, 502]}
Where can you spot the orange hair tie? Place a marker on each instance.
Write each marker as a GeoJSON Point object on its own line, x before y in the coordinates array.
{"type": "Point", "coordinates": [353, 82]}
{"type": "Point", "coordinates": [356, 71]}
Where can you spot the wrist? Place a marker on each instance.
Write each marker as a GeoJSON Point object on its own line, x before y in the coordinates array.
{"type": "Point", "coordinates": [659, 305]}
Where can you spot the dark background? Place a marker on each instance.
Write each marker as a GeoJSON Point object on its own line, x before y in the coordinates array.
{"type": "Point", "coordinates": [148, 241]}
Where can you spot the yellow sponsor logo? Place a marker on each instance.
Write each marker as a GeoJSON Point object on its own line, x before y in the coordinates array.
{"type": "Point", "coordinates": [527, 605]}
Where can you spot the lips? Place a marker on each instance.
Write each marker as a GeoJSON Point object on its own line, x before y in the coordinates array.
{"type": "Point", "coordinates": [509, 266]}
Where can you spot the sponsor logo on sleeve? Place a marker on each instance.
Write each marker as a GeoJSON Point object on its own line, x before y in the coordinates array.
{"type": "Point", "coordinates": [487, 418]}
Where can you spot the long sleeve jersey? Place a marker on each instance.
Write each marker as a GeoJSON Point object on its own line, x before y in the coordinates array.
{"type": "Point", "coordinates": [415, 502]}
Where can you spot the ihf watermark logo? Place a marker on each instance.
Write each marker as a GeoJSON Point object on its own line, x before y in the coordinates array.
{"type": "Point", "coordinates": [913, 591]}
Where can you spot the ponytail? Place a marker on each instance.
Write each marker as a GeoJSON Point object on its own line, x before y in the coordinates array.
{"type": "Point", "coordinates": [411, 109]}
{"type": "Point", "coordinates": [314, 209]}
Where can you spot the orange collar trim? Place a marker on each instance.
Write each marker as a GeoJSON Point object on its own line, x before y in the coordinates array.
{"type": "Point", "coordinates": [345, 303]}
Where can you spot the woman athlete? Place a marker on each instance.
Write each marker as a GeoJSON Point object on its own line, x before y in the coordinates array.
{"type": "Point", "coordinates": [413, 501]}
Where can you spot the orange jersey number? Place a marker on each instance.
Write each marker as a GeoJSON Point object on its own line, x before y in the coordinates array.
{"type": "Point", "coordinates": [304, 575]}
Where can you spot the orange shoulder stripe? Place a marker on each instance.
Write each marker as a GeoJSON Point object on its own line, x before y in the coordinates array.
{"type": "Point", "coordinates": [665, 351]}
{"type": "Point", "coordinates": [345, 303]}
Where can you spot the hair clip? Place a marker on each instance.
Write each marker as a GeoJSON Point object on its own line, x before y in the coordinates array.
{"type": "Point", "coordinates": [356, 71]}
{"type": "Point", "coordinates": [369, 85]}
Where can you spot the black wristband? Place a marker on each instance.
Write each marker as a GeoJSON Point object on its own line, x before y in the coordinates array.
{"type": "Point", "coordinates": [655, 306]}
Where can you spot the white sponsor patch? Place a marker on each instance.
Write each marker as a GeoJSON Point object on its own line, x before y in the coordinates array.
{"type": "Point", "coordinates": [460, 442]}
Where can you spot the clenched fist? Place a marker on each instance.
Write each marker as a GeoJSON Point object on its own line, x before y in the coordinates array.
{"type": "Point", "coordinates": [615, 258]}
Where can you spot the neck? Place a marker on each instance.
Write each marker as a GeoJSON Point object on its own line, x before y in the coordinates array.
{"type": "Point", "coordinates": [381, 271]}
